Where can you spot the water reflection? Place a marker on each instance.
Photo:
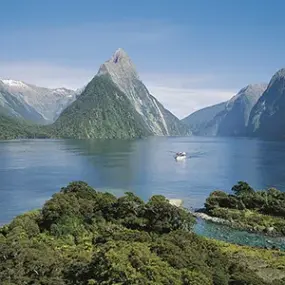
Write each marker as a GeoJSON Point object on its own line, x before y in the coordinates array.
{"type": "Point", "coordinates": [109, 162]}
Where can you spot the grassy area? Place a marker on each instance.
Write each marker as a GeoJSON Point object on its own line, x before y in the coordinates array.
{"type": "Point", "coordinates": [267, 264]}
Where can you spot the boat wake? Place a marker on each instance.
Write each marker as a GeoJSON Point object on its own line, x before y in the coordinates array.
{"type": "Point", "coordinates": [183, 155]}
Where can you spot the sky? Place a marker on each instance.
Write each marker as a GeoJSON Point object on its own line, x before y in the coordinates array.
{"type": "Point", "coordinates": [189, 53]}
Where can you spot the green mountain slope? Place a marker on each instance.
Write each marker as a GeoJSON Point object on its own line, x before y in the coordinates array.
{"type": "Point", "coordinates": [116, 104]}
{"type": "Point", "coordinates": [12, 128]}
{"type": "Point", "coordinates": [101, 111]}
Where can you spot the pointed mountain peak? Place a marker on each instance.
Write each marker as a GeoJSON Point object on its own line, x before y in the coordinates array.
{"type": "Point", "coordinates": [119, 65]}
{"type": "Point", "coordinates": [119, 55]}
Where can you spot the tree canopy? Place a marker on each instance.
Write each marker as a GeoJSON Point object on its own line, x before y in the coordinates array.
{"type": "Point", "coordinates": [83, 237]}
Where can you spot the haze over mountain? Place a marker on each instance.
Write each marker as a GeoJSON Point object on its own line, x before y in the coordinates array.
{"type": "Point", "coordinates": [116, 104]}
{"type": "Point", "coordinates": [237, 111]}
{"type": "Point", "coordinates": [33, 103]}
{"type": "Point", "coordinates": [200, 121]}
{"type": "Point", "coordinates": [228, 118]}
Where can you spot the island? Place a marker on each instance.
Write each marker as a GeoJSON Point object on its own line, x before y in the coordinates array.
{"type": "Point", "coordinates": [83, 236]}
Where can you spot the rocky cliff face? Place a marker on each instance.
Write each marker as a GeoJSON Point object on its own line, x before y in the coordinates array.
{"type": "Point", "coordinates": [267, 118]}
{"type": "Point", "coordinates": [116, 104]}
{"type": "Point", "coordinates": [33, 103]}
{"type": "Point", "coordinates": [229, 118]}
{"type": "Point", "coordinates": [122, 72]}
{"type": "Point", "coordinates": [15, 106]}
{"type": "Point", "coordinates": [205, 122]}
{"type": "Point", "coordinates": [238, 109]}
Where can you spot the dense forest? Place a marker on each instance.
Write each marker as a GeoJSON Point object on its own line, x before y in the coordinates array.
{"type": "Point", "coordinates": [262, 210]}
{"type": "Point", "coordinates": [82, 236]}
{"type": "Point", "coordinates": [12, 128]}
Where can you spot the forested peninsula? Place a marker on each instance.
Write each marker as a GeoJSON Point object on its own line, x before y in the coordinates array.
{"type": "Point", "coordinates": [256, 211]}
{"type": "Point", "coordinates": [82, 236]}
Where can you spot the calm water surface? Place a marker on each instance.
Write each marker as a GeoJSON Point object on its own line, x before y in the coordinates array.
{"type": "Point", "coordinates": [32, 170]}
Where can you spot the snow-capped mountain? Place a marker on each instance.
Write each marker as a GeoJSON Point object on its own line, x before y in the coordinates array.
{"type": "Point", "coordinates": [30, 102]}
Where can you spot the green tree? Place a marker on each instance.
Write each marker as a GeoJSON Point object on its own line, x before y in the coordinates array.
{"type": "Point", "coordinates": [242, 188]}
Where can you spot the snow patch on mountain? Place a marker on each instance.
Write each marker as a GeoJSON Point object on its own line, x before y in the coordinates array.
{"type": "Point", "coordinates": [48, 103]}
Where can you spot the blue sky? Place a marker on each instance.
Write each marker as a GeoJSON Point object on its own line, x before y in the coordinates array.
{"type": "Point", "coordinates": [190, 54]}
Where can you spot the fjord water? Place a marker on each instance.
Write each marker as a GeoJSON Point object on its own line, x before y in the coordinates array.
{"type": "Point", "coordinates": [32, 170]}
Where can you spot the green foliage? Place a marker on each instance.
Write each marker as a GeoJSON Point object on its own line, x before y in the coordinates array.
{"type": "Point", "coordinates": [11, 128]}
{"type": "Point", "coordinates": [162, 217]}
{"type": "Point", "coordinates": [249, 209]}
{"type": "Point", "coordinates": [242, 188]}
{"type": "Point", "coordinates": [102, 111]}
{"type": "Point", "coordinates": [82, 236]}
{"type": "Point", "coordinates": [268, 265]}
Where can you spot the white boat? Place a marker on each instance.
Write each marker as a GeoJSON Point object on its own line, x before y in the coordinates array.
{"type": "Point", "coordinates": [180, 155]}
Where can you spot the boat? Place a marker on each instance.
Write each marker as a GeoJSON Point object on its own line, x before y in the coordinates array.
{"type": "Point", "coordinates": [180, 155]}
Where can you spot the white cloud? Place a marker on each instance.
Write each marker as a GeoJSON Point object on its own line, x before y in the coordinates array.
{"type": "Point", "coordinates": [184, 101]}
{"type": "Point", "coordinates": [184, 94]}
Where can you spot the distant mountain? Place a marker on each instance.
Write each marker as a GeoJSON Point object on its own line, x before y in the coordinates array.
{"type": "Point", "coordinates": [203, 122]}
{"type": "Point", "coordinates": [228, 118]}
{"type": "Point", "coordinates": [33, 103]}
{"type": "Point", "coordinates": [237, 110]}
{"type": "Point", "coordinates": [267, 118]}
{"type": "Point", "coordinates": [116, 104]}
{"type": "Point", "coordinates": [15, 128]}
{"type": "Point", "coordinates": [15, 106]}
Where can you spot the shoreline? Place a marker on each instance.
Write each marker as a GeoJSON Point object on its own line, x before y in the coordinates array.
{"type": "Point", "coordinates": [201, 214]}
{"type": "Point", "coordinates": [234, 225]}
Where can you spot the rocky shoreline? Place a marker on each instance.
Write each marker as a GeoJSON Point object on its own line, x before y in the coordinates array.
{"type": "Point", "coordinates": [270, 231]}
{"type": "Point", "coordinates": [201, 214]}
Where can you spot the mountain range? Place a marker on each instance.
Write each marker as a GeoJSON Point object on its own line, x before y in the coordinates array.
{"type": "Point", "coordinates": [36, 104]}
{"type": "Point", "coordinates": [256, 111]}
{"type": "Point", "coordinates": [267, 117]}
{"type": "Point", "coordinates": [229, 118]}
{"type": "Point", "coordinates": [114, 104]}
{"type": "Point", "coordinates": [117, 104]}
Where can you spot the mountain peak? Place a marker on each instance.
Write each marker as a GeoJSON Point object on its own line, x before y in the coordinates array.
{"type": "Point", "coordinates": [14, 83]}
{"type": "Point", "coordinates": [280, 74]}
{"type": "Point", "coordinates": [119, 66]}
{"type": "Point", "coordinates": [252, 89]}
{"type": "Point", "coordinates": [118, 55]}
